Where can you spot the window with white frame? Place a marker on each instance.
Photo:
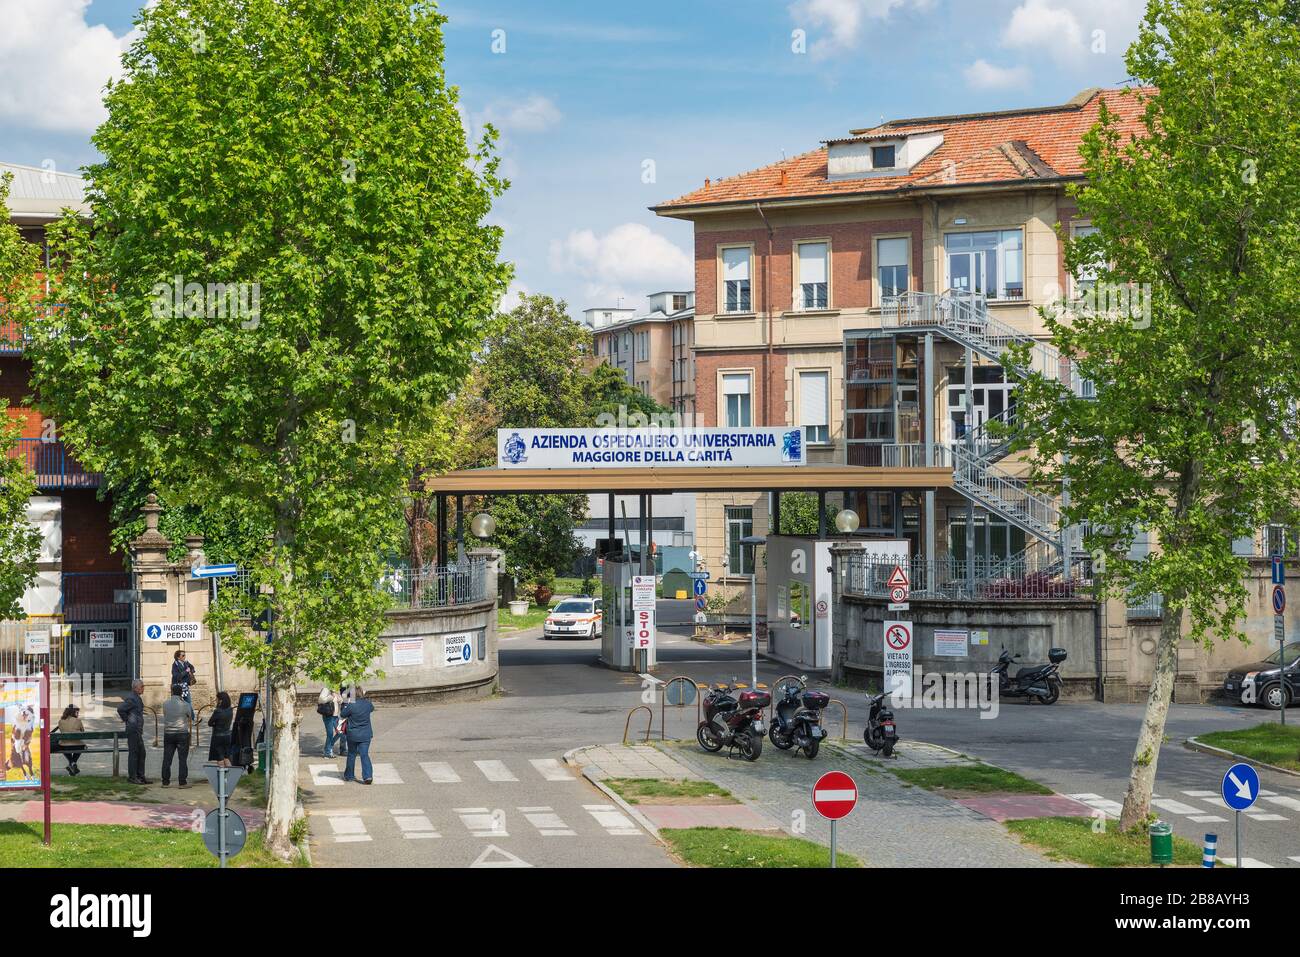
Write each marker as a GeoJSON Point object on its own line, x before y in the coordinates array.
{"type": "Point", "coordinates": [736, 392]}
{"type": "Point", "coordinates": [735, 276]}
{"type": "Point", "coordinates": [740, 524]}
{"type": "Point", "coordinates": [991, 263]}
{"type": "Point", "coordinates": [1085, 274]}
{"type": "Point", "coordinates": [814, 268]}
{"type": "Point", "coordinates": [814, 406]}
{"type": "Point", "coordinates": [891, 266]}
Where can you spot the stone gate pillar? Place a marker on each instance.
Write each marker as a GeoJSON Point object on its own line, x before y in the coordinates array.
{"type": "Point", "coordinates": [186, 601]}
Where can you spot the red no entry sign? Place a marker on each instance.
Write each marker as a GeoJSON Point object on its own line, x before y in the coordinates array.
{"type": "Point", "coordinates": [834, 795]}
{"type": "Point", "coordinates": [898, 636]}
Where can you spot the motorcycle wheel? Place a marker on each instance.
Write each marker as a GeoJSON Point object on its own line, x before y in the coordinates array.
{"type": "Point", "coordinates": [872, 743]}
{"type": "Point", "coordinates": [811, 748]}
{"type": "Point", "coordinates": [779, 740]}
{"type": "Point", "coordinates": [1053, 693]}
{"type": "Point", "coordinates": [750, 744]}
{"type": "Point", "coordinates": [707, 735]}
{"type": "Point", "coordinates": [887, 749]}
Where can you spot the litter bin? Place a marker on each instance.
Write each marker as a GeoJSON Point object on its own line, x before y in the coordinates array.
{"type": "Point", "coordinates": [1162, 843]}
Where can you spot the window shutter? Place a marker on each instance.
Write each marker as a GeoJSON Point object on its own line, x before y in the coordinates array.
{"type": "Point", "coordinates": [735, 264]}
{"type": "Point", "coordinates": [891, 252]}
{"type": "Point", "coordinates": [735, 384]}
{"type": "Point", "coordinates": [812, 262]}
{"type": "Point", "coordinates": [813, 395]}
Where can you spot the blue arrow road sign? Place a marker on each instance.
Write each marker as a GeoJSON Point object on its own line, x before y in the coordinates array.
{"type": "Point", "coordinates": [213, 571]}
{"type": "Point", "coordinates": [1240, 787]}
{"type": "Point", "coordinates": [701, 586]}
{"type": "Point", "coordinates": [701, 575]}
{"type": "Point", "coordinates": [1279, 570]}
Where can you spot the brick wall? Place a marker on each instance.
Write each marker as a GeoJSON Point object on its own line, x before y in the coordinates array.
{"type": "Point", "coordinates": [86, 530]}
{"type": "Point", "coordinates": [707, 365]}
{"type": "Point", "coordinates": [852, 268]}
{"type": "Point", "coordinates": [15, 374]}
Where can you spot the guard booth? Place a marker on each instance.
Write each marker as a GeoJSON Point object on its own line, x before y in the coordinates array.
{"type": "Point", "coordinates": [800, 599]}
{"type": "Point", "coordinates": [616, 599]}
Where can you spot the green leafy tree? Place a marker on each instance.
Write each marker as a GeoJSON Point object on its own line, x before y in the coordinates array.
{"type": "Point", "coordinates": [1193, 432]}
{"type": "Point", "coordinates": [310, 150]}
{"type": "Point", "coordinates": [20, 292]}
{"type": "Point", "coordinates": [799, 514]}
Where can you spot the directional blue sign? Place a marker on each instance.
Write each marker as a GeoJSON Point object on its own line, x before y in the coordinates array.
{"type": "Point", "coordinates": [213, 571]}
{"type": "Point", "coordinates": [700, 575]}
{"type": "Point", "coordinates": [1240, 787]}
{"type": "Point", "coordinates": [701, 587]}
{"type": "Point", "coordinates": [1279, 570]}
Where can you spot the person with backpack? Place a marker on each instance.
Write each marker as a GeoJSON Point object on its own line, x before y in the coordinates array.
{"type": "Point", "coordinates": [327, 706]}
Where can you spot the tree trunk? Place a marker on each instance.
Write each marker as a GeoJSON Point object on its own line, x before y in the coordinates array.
{"type": "Point", "coordinates": [282, 788]}
{"type": "Point", "coordinates": [1142, 776]}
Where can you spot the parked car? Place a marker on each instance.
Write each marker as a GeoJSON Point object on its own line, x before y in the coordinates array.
{"type": "Point", "coordinates": [574, 618]}
{"type": "Point", "coordinates": [1261, 682]}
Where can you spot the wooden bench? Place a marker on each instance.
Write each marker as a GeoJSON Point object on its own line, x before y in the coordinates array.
{"type": "Point", "coordinates": [111, 739]}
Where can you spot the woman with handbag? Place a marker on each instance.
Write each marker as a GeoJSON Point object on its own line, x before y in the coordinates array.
{"type": "Point", "coordinates": [220, 721]}
{"type": "Point", "coordinates": [182, 673]}
{"type": "Point", "coordinates": [327, 706]}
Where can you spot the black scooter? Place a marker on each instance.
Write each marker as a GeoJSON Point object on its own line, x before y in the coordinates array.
{"type": "Point", "coordinates": [881, 734]}
{"type": "Point", "coordinates": [1039, 682]}
{"type": "Point", "coordinates": [796, 722]}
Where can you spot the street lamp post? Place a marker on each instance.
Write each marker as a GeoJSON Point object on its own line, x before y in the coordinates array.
{"type": "Point", "coordinates": [753, 541]}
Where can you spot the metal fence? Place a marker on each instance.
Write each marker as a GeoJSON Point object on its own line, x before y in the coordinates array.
{"type": "Point", "coordinates": [88, 596]}
{"type": "Point", "coordinates": [1150, 607]}
{"type": "Point", "coordinates": [433, 586]}
{"type": "Point", "coordinates": [867, 575]}
{"type": "Point", "coordinates": [14, 658]}
{"type": "Point", "coordinates": [53, 466]}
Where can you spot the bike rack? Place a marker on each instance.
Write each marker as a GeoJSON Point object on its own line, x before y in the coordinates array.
{"type": "Point", "coordinates": [844, 735]}
{"type": "Point", "coordinates": [157, 741]}
{"type": "Point", "coordinates": [648, 725]}
{"type": "Point", "coordinates": [771, 708]}
{"type": "Point", "coordinates": [194, 728]}
{"type": "Point", "coordinates": [663, 701]}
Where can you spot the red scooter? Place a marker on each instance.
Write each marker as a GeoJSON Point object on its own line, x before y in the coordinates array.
{"type": "Point", "coordinates": [733, 721]}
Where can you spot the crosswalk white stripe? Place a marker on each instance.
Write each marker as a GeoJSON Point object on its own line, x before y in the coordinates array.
{"type": "Point", "coordinates": [1264, 817]}
{"type": "Point", "coordinates": [1249, 862]}
{"type": "Point", "coordinates": [383, 774]}
{"type": "Point", "coordinates": [1174, 807]}
{"type": "Point", "coordinates": [481, 822]}
{"type": "Point", "coordinates": [414, 824]}
{"type": "Point", "coordinates": [611, 819]}
{"type": "Point", "coordinates": [551, 769]}
{"type": "Point", "coordinates": [547, 822]}
{"type": "Point", "coordinates": [348, 828]}
{"type": "Point", "coordinates": [325, 775]}
{"type": "Point", "coordinates": [1206, 818]}
{"type": "Point", "coordinates": [439, 772]}
{"type": "Point", "coordinates": [1287, 802]}
{"type": "Point", "coordinates": [495, 771]}
{"type": "Point", "coordinates": [1201, 794]}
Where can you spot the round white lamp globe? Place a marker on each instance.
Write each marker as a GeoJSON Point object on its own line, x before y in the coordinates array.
{"type": "Point", "coordinates": [483, 525]}
{"type": "Point", "coordinates": [847, 521]}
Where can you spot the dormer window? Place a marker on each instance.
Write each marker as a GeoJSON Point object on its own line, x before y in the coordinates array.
{"type": "Point", "coordinates": [882, 157]}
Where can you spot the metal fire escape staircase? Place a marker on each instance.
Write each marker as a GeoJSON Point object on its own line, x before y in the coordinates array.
{"type": "Point", "coordinates": [964, 318]}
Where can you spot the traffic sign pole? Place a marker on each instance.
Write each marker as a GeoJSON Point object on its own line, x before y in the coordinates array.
{"type": "Point", "coordinates": [1240, 789]}
{"type": "Point", "coordinates": [835, 795]}
{"type": "Point", "coordinates": [833, 843]}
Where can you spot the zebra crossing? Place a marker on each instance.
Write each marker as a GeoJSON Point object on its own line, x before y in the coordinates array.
{"type": "Point", "coordinates": [349, 825]}
{"type": "Point", "coordinates": [1202, 815]}
{"type": "Point", "coordinates": [442, 772]}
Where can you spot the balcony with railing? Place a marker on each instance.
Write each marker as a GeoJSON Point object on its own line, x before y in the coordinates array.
{"type": "Point", "coordinates": [54, 467]}
{"type": "Point", "coordinates": [1021, 578]}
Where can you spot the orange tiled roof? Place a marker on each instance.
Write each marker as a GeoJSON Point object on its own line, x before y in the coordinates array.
{"type": "Point", "coordinates": [1039, 143]}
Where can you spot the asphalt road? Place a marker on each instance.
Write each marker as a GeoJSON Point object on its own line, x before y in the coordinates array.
{"type": "Point", "coordinates": [456, 762]}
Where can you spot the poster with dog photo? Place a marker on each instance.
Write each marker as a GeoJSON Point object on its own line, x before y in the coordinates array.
{"type": "Point", "coordinates": [20, 734]}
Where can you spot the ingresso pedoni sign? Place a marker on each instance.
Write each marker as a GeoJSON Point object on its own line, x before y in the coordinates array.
{"type": "Point", "coordinates": [654, 448]}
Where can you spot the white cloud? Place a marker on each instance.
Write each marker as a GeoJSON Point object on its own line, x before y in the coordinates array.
{"type": "Point", "coordinates": [983, 75]}
{"type": "Point", "coordinates": [514, 295]}
{"type": "Point", "coordinates": [629, 261]}
{"type": "Point", "coordinates": [843, 20]}
{"type": "Point", "coordinates": [535, 114]}
{"type": "Point", "coordinates": [1073, 28]}
{"type": "Point", "coordinates": [54, 65]}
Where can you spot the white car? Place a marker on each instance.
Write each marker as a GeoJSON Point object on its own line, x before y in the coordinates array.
{"type": "Point", "coordinates": [574, 618]}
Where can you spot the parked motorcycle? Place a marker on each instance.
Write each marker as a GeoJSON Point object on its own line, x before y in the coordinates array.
{"type": "Point", "coordinates": [732, 720]}
{"type": "Point", "coordinates": [1041, 682]}
{"type": "Point", "coordinates": [796, 723]}
{"type": "Point", "coordinates": [881, 734]}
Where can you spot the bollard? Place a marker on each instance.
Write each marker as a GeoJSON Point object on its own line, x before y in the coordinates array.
{"type": "Point", "coordinates": [1211, 847]}
{"type": "Point", "coordinates": [1162, 843]}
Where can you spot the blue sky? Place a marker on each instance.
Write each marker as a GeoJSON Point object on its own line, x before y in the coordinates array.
{"type": "Point", "coordinates": [594, 98]}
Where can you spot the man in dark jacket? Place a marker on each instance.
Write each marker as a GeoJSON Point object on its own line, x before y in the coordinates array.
{"type": "Point", "coordinates": [131, 711]}
{"type": "Point", "coordinates": [359, 732]}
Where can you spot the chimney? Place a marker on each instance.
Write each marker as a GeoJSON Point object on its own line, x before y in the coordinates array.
{"type": "Point", "coordinates": [784, 178]}
{"type": "Point", "coordinates": [706, 182]}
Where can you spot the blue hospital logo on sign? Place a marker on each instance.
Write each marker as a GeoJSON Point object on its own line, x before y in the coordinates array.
{"type": "Point", "coordinates": [154, 632]}
{"type": "Point", "coordinates": [515, 449]}
{"type": "Point", "coordinates": [1240, 787]}
{"type": "Point", "coordinates": [792, 446]}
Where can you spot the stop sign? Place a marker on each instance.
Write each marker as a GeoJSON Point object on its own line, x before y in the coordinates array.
{"type": "Point", "coordinates": [834, 795]}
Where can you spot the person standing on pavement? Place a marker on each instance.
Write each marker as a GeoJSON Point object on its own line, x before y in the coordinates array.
{"type": "Point", "coordinates": [182, 673]}
{"type": "Point", "coordinates": [131, 711]}
{"type": "Point", "coordinates": [222, 716]}
{"type": "Point", "coordinates": [327, 706]}
{"type": "Point", "coordinates": [345, 695]}
{"type": "Point", "coordinates": [359, 734]}
{"type": "Point", "coordinates": [178, 718]}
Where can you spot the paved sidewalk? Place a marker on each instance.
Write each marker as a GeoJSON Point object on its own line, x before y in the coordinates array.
{"type": "Point", "coordinates": [603, 761]}
{"type": "Point", "coordinates": [894, 825]}
{"type": "Point", "coordinates": [180, 816]}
